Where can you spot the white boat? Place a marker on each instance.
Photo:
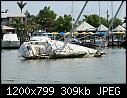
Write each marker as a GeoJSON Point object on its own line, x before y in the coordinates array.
{"type": "Point", "coordinates": [44, 47]}
{"type": "Point", "coordinates": [10, 41]}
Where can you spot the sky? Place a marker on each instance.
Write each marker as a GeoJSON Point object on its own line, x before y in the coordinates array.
{"type": "Point", "coordinates": [65, 7]}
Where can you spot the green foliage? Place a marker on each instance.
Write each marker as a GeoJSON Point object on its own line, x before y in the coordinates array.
{"type": "Point", "coordinates": [20, 27]}
{"type": "Point", "coordinates": [116, 22]}
{"type": "Point", "coordinates": [59, 24]}
{"type": "Point", "coordinates": [16, 22]}
{"type": "Point", "coordinates": [94, 21]}
{"type": "Point", "coordinates": [63, 23]}
{"type": "Point", "coordinates": [46, 19]}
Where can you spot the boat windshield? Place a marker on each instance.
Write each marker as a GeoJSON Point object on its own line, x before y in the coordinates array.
{"type": "Point", "coordinates": [42, 34]}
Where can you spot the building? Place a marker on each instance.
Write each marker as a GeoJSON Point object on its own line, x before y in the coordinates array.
{"type": "Point", "coordinates": [6, 18]}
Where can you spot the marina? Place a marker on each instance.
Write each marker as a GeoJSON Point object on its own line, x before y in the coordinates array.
{"type": "Point", "coordinates": [54, 49]}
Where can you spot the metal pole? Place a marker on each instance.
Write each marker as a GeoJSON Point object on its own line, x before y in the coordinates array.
{"type": "Point", "coordinates": [115, 15]}
{"type": "Point", "coordinates": [72, 13]}
{"type": "Point", "coordinates": [75, 24]}
{"type": "Point", "coordinates": [112, 24]}
{"type": "Point", "coordinates": [99, 12]}
{"type": "Point", "coordinates": [96, 54]}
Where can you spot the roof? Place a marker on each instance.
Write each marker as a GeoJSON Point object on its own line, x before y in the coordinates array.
{"type": "Point", "coordinates": [124, 25]}
{"type": "Point", "coordinates": [119, 28]}
{"type": "Point", "coordinates": [102, 28]}
{"type": "Point", "coordinates": [5, 15]}
{"type": "Point", "coordinates": [54, 32]}
{"type": "Point", "coordinates": [7, 28]}
{"type": "Point", "coordinates": [85, 27]}
{"type": "Point", "coordinates": [120, 33]}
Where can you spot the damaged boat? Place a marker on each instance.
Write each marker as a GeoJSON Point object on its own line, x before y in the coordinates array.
{"type": "Point", "coordinates": [44, 47]}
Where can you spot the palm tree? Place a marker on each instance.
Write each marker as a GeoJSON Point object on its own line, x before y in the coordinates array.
{"type": "Point", "coordinates": [21, 5]}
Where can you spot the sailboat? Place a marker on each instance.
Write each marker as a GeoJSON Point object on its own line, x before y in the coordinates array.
{"type": "Point", "coordinates": [47, 48]}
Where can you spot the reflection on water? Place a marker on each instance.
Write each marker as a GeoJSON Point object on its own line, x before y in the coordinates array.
{"type": "Point", "coordinates": [109, 69]}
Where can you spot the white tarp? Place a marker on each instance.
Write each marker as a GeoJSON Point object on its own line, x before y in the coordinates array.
{"type": "Point", "coordinates": [85, 27]}
{"type": "Point", "coordinates": [119, 28]}
{"type": "Point", "coordinates": [102, 28]}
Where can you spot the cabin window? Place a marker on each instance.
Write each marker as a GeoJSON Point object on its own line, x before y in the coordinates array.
{"type": "Point", "coordinates": [36, 42]}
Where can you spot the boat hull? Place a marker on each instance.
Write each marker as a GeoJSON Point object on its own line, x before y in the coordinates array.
{"type": "Point", "coordinates": [10, 44]}
{"type": "Point", "coordinates": [53, 49]}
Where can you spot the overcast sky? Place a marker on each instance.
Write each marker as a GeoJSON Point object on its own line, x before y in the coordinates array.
{"type": "Point", "coordinates": [65, 7]}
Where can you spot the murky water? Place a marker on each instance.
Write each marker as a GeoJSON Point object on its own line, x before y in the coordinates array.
{"type": "Point", "coordinates": [108, 69]}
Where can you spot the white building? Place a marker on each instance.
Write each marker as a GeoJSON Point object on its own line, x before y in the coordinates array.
{"type": "Point", "coordinates": [6, 18]}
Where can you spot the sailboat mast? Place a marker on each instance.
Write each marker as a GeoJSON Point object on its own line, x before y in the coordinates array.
{"type": "Point", "coordinates": [110, 26]}
{"type": "Point", "coordinates": [115, 15]}
{"type": "Point", "coordinates": [72, 13]}
{"type": "Point", "coordinates": [112, 11]}
{"type": "Point", "coordinates": [99, 12]}
{"type": "Point", "coordinates": [75, 24]}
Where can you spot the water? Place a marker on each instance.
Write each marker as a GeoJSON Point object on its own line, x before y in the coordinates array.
{"type": "Point", "coordinates": [108, 69]}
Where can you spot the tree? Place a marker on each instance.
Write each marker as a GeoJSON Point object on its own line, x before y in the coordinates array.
{"type": "Point", "coordinates": [59, 23]}
{"type": "Point", "coordinates": [20, 29]}
{"type": "Point", "coordinates": [67, 22]}
{"type": "Point", "coordinates": [27, 15]}
{"type": "Point", "coordinates": [46, 19]}
{"type": "Point", "coordinates": [63, 23]}
{"type": "Point", "coordinates": [116, 22]}
{"type": "Point", "coordinates": [21, 5]}
{"type": "Point", "coordinates": [32, 24]}
{"type": "Point", "coordinates": [94, 21]}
